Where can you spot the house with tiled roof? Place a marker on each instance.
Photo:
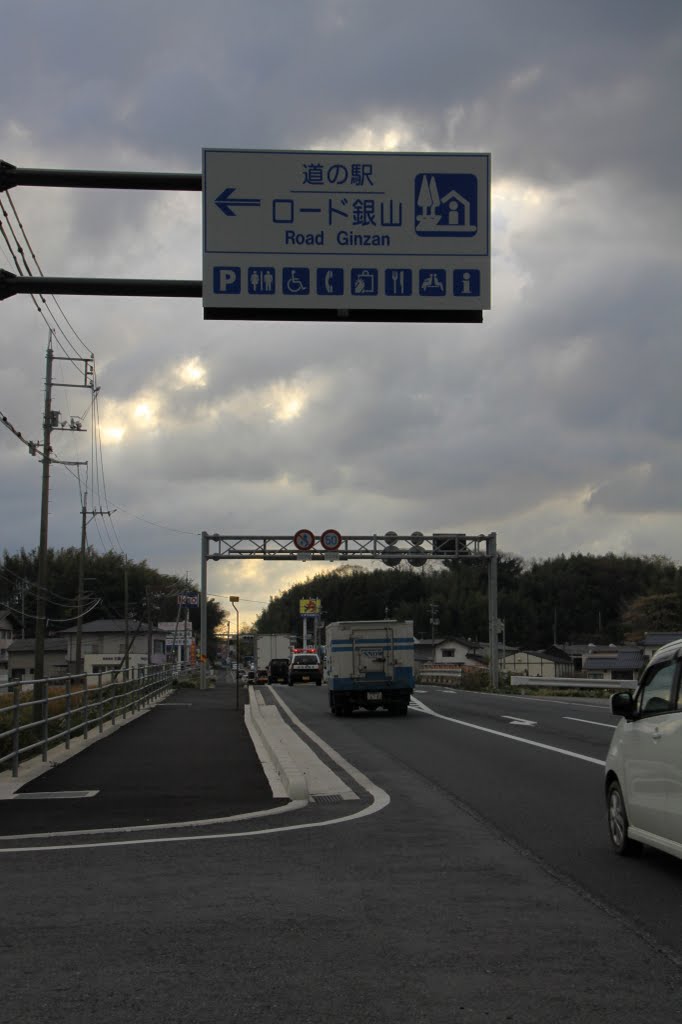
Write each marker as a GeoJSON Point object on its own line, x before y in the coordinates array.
{"type": "Point", "coordinates": [614, 663]}
{"type": "Point", "coordinates": [552, 663]}
{"type": "Point", "coordinates": [652, 641]}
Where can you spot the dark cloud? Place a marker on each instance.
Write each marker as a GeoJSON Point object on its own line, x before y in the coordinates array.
{"type": "Point", "coordinates": [557, 422]}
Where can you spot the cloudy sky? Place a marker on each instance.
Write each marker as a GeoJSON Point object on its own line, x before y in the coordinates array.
{"type": "Point", "coordinates": [556, 423]}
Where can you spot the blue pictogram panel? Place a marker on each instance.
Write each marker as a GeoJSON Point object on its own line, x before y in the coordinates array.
{"type": "Point", "coordinates": [296, 281]}
{"type": "Point", "coordinates": [432, 282]}
{"type": "Point", "coordinates": [364, 281]}
{"type": "Point", "coordinates": [261, 280]}
{"type": "Point", "coordinates": [467, 282]}
{"type": "Point", "coordinates": [330, 281]}
{"type": "Point", "coordinates": [398, 281]}
{"type": "Point", "coordinates": [446, 204]}
{"type": "Point", "coordinates": [227, 280]}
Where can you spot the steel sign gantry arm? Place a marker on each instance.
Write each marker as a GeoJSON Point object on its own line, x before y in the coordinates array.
{"type": "Point", "coordinates": [388, 548]}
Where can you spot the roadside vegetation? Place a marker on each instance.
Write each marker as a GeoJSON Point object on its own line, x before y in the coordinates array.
{"type": "Point", "coordinates": [573, 598]}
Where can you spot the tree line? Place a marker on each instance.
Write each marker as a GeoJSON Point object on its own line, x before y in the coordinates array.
{"type": "Point", "coordinates": [565, 599]}
{"type": "Point", "coordinates": [112, 584]}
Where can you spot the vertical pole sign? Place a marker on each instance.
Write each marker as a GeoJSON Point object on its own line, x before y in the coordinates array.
{"type": "Point", "coordinates": [363, 236]}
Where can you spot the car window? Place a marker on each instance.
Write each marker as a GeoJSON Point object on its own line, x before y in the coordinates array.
{"type": "Point", "coordinates": [655, 693]}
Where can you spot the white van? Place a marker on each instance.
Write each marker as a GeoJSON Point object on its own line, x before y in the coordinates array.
{"type": "Point", "coordinates": [643, 779]}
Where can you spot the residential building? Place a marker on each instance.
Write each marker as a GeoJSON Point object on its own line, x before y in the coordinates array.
{"type": "Point", "coordinates": [652, 641]}
{"type": "Point", "coordinates": [614, 663]}
{"type": "Point", "coordinates": [552, 663]}
{"type": "Point", "coordinates": [22, 655]}
{"type": "Point", "coordinates": [7, 635]}
{"type": "Point", "coordinates": [103, 645]}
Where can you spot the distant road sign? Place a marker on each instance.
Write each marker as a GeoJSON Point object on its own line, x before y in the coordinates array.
{"type": "Point", "coordinates": [304, 540]}
{"type": "Point", "coordinates": [330, 540]}
{"type": "Point", "coordinates": [315, 235]}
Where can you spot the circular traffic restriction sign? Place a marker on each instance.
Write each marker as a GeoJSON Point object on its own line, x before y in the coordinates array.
{"type": "Point", "coordinates": [304, 540]}
{"type": "Point", "coordinates": [330, 540]}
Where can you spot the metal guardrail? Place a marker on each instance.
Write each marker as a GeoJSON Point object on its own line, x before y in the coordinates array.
{"type": "Point", "coordinates": [72, 707]}
{"type": "Point", "coordinates": [574, 684]}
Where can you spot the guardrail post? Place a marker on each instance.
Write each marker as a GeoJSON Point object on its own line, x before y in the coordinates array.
{"type": "Point", "coordinates": [67, 741]}
{"type": "Point", "coordinates": [15, 725]}
{"type": "Point", "coordinates": [85, 706]}
{"type": "Point", "coordinates": [100, 701]}
{"type": "Point", "coordinates": [45, 705]}
{"type": "Point", "coordinates": [112, 684]}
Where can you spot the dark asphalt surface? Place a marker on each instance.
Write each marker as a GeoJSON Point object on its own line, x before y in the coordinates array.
{"type": "Point", "coordinates": [419, 913]}
{"type": "Point", "coordinates": [189, 757]}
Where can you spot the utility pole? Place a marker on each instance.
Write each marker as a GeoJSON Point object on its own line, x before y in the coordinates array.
{"type": "Point", "coordinates": [81, 577]}
{"type": "Point", "coordinates": [126, 613]}
{"type": "Point", "coordinates": [148, 592]}
{"type": "Point", "coordinates": [50, 422]}
{"type": "Point", "coordinates": [39, 687]}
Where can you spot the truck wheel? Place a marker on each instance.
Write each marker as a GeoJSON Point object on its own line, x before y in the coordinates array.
{"type": "Point", "coordinates": [319, 684]}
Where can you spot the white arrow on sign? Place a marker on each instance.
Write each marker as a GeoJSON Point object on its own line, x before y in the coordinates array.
{"type": "Point", "coordinates": [518, 721]}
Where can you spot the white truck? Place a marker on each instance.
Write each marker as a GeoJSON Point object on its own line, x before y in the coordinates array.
{"type": "Point", "coordinates": [369, 664]}
{"type": "Point", "coordinates": [269, 648]}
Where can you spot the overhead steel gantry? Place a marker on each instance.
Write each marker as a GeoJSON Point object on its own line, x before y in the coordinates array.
{"type": "Point", "coordinates": [390, 548]}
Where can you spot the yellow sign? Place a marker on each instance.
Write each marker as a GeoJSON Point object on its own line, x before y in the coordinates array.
{"type": "Point", "coordinates": [310, 606]}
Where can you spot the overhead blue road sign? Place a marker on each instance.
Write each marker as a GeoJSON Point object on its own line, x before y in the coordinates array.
{"type": "Point", "coordinates": [379, 235]}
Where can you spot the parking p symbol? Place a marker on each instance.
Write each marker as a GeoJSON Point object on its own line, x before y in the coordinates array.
{"type": "Point", "coordinates": [226, 280]}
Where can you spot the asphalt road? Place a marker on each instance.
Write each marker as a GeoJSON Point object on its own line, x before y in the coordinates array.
{"type": "Point", "coordinates": [433, 899]}
{"type": "Point", "coordinates": [532, 768]}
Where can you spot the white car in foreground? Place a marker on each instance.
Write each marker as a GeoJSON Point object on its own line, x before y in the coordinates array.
{"type": "Point", "coordinates": [644, 764]}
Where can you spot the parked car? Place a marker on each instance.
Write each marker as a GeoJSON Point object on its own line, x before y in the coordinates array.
{"type": "Point", "coordinates": [261, 676]}
{"type": "Point", "coordinates": [643, 778]}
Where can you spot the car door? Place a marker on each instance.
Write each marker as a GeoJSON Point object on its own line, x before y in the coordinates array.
{"type": "Point", "coordinates": [648, 751]}
{"type": "Point", "coordinates": [672, 759]}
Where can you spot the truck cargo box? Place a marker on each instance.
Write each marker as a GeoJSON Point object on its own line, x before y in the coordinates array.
{"type": "Point", "coordinates": [370, 664]}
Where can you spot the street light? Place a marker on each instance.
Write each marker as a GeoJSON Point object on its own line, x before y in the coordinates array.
{"type": "Point", "coordinates": [234, 601]}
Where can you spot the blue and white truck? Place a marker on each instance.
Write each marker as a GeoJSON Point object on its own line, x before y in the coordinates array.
{"type": "Point", "coordinates": [369, 664]}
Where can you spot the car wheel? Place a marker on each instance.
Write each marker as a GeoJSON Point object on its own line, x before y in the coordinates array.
{"type": "Point", "coordinates": [618, 822]}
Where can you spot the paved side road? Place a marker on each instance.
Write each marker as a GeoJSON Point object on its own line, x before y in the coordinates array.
{"type": "Point", "coordinates": [189, 757]}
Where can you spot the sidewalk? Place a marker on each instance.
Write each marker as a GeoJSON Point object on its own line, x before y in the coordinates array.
{"type": "Point", "coordinates": [189, 757]}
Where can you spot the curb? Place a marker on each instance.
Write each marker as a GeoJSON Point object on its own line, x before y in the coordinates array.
{"type": "Point", "coordinates": [274, 733]}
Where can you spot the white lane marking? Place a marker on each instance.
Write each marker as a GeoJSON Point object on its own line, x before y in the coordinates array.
{"type": "Point", "coordinates": [514, 739]}
{"type": "Point", "coordinates": [604, 725]}
{"type": "Point", "coordinates": [57, 794]}
{"type": "Point", "coordinates": [380, 799]}
{"type": "Point", "coordinates": [518, 721]}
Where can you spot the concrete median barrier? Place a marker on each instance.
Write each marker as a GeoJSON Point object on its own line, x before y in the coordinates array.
{"type": "Point", "coordinates": [277, 737]}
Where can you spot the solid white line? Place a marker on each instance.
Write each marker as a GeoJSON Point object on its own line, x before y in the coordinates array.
{"type": "Point", "coordinates": [514, 739]}
{"type": "Point", "coordinates": [604, 725]}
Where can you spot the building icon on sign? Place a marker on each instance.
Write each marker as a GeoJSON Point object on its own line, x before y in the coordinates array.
{"type": "Point", "coordinates": [446, 204]}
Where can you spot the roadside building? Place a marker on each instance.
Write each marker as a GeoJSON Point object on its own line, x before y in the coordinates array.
{"type": "Point", "coordinates": [7, 635]}
{"type": "Point", "coordinates": [614, 663]}
{"type": "Point", "coordinates": [652, 641]}
{"type": "Point", "coordinates": [552, 663]}
{"type": "Point", "coordinates": [22, 656]}
{"type": "Point", "coordinates": [104, 643]}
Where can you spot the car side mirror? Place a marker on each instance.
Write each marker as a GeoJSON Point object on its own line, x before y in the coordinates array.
{"type": "Point", "coordinates": [623, 704]}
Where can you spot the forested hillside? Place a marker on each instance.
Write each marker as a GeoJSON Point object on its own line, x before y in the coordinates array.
{"type": "Point", "coordinates": [569, 599]}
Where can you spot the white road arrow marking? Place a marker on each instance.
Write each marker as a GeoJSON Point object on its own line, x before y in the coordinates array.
{"type": "Point", "coordinates": [519, 721]}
